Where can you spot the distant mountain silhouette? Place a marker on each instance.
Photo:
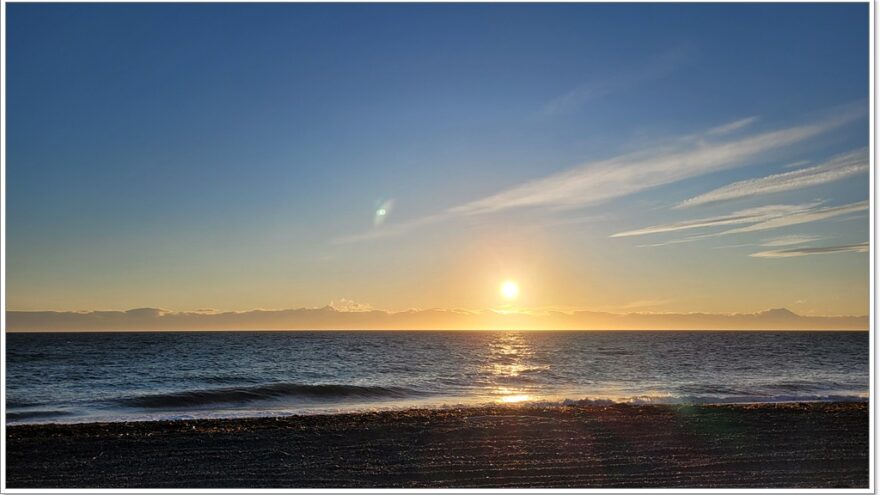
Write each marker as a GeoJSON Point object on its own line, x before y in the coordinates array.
{"type": "Point", "coordinates": [330, 318]}
{"type": "Point", "coordinates": [777, 313]}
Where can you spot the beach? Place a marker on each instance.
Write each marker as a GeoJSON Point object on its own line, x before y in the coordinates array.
{"type": "Point", "coordinates": [793, 445]}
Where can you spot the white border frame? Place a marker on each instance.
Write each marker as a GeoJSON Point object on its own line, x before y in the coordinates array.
{"type": "Point", "coordinates": [872, 329]}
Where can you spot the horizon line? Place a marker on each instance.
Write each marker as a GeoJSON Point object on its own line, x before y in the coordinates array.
{"type": "Point", "coordinates": [330, 318]}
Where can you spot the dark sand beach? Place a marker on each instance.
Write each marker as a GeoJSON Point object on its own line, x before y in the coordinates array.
{"type": "Point", "coordinates": [821, 445]}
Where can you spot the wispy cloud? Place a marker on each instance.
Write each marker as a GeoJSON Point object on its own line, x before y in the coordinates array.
{"type": "Point", "coordinates": [731, 127]}
{"type": "Point", "coordinates": [813, 215]}
{"type": "Point", "coordinates": [600, 181]}
{"type": "Point", "coordinates": [796, 164]}
{"type": "Point", "coordinates": [841, 166]}
{"type": "Point", "coordinates": [747, 216]}
{"type": "Point", "coordinates": [862, 247]}
{"type": "Point", "coordinates": [657, 68]}
{"type": "Point", "coordinates": [644, 303]}
{"type": "Point", "coordinates": [789, 240]}
{"type": "Point", "coordinates": [603, 180]}
{"type": "Point", "coordinates": [756, 219]}
{"type": "Point", "coordinates": [672, 241]}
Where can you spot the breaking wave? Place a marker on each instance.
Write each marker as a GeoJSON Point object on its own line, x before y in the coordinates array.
{"type": "Point", "coordinates": [25, 415]}
{"type": "Point", "coordinates": [706, 400]}
{"type": "Point", "coordinates": [275, 391]}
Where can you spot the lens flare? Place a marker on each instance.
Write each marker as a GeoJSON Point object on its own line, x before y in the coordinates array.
{"type": "Point", "coordinates": [383, 209]}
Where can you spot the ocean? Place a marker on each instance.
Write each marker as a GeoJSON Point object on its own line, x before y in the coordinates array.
{"type": "Point", "coordinates": [83, 377]}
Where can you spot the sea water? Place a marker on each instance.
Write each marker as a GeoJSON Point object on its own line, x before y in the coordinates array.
{"type": "Point", "coordinates": [77, 377]}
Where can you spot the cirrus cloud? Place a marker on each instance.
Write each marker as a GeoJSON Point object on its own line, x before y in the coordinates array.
{"type": "Point", "coordinates": [750, 215]}
{"type": "Point", "coordinates": [840, 167]}
{"type": "Point", "coordinates": [757, 219]}
{"type": "Point", "coordinates": [861, 247]}
{"type": "Point", "coordinates": [789, 240]}
{"type": "Point", "coordinates": [601, 181]}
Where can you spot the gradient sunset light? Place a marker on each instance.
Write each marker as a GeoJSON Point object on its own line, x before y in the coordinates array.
{"type": "Point", "coordinates": [538, 166]}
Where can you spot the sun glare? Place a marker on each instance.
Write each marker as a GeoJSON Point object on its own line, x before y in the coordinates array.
{"type": "Point", "coordinates": [509, 289]}
{"type": "Point", "coordinates": [512, 399]}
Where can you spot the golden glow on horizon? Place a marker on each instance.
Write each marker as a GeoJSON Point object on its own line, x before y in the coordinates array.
{"type": "Point", "coordinates": [511, 399]}
{"type": "Point", "coordinates": [509, 290]}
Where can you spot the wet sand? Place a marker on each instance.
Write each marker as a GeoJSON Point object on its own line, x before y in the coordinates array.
{"type": "Point", "coordinates": [619, 446]}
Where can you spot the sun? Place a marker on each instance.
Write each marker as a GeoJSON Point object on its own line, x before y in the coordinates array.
{"type": "Point", "coordinates": [509, 289]}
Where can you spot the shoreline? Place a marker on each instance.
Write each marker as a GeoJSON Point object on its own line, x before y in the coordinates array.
{"type": "Point", "coordinates": [781, 445]}
{"type": "Point", "coordinates": [57, 417]}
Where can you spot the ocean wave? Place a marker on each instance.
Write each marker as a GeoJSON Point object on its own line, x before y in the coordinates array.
{"type": "Point", "coordinates": [23, 415]}
{"type": "Point", "coordinates": [274, 391]}
{"type": "Point", "coordinates": [16, 403]}
{"type": "Point", "coordinates": [226, 379]}
{"type": "Point", "coordinates": [707, 400]}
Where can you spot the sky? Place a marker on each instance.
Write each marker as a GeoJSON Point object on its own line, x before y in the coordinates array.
{"type": "Point", "coordinates": [621, 158]}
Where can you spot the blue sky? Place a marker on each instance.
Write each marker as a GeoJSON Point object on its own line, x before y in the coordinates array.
{"type": "Point", "coordinates": [234, 156]}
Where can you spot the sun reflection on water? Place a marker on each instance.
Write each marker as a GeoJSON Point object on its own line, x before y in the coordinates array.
{"type": "Point", "coordinates": [512, 399]}
{"type": "Point", "coordinates": [507, 366]}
